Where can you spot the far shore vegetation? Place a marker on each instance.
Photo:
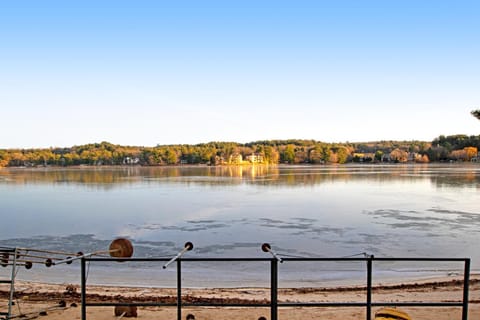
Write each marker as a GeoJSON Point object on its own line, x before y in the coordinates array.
{"type": "Point", "coordinates": [444, 148]}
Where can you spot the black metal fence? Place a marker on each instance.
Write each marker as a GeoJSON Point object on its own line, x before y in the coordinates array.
{"type": "Point", "coordinates": [274, 304]}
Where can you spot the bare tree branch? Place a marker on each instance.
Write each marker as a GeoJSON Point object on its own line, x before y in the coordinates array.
{"type": "Point", "coordinates": [476, 114]}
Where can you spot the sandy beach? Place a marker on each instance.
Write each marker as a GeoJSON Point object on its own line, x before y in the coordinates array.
{"type": "Point", "coordinates": [62, 301]}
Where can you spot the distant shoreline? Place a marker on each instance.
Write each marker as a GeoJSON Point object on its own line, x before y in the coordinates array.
{"type": "Point", "coordinates": [460, 148]}
{"type": "Point", "coordinates": [349, 164]}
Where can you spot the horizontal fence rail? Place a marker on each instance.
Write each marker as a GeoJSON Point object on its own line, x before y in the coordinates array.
{"type": "Point", "coordinates": [274, 304]}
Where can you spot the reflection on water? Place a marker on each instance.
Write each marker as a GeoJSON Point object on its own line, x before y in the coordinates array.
{"type": "Point", "coordinates": [295, 176]}
{"type": "Point", "coordinates": [308, 211]}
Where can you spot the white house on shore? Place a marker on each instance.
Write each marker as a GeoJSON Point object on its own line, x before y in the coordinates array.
{"type": "Point", "coordinates": [129, 160]}
{"type": "Point", "coordinates": [255, 158]}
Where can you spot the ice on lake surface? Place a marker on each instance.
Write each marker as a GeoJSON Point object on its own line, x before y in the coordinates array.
{"type": "Point", "coordinates": [302, 211]}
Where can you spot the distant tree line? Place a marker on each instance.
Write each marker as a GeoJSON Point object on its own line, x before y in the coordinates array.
{"type": "Point", "coordinates": [443, 148]}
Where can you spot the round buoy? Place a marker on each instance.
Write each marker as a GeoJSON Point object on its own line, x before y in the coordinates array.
{"type": "Point", "coordinates": [126, 311]}
{"type": "Point", "coordinates": [188, 246]}
{"type": "Point", "coordinates": [121, 248]}
{"type": "Point", "coordinates": [266, 247]}
{"type": "Point", "coordinates": [5, 258]}
{"type": "Point", "coordinates": [48, 262]}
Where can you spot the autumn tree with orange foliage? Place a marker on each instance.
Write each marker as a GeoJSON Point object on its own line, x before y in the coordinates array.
{"type": "Point", "coordinates": [399, 155]}
{"type": "Point", "coordinates": [466, 154]}
{"type": "Point", "coordinates": [471, 152]}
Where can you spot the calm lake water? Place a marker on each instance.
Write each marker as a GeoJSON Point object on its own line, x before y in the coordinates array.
{"type": "Point", "coordinates": [306, 211]}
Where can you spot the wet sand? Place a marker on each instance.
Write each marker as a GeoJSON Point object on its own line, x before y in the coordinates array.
{"type": "Point", "coordinates": [33, 298]}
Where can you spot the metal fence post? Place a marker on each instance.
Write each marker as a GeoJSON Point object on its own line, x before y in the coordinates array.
{"type": "Point", "coordinates": [466, 285]}
{"type": "Point", "coordinates": [83, 284]}
{"type": "Point", "coordinates": [179, 289]}
{"type": "Point", "coordinates": [274, 289]}
{"type": "Point", "coordinates": [12, 284]}
{"type": "Point", "coordinates": [369, 287]}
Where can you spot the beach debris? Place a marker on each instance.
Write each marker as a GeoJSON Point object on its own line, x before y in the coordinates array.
{"type": "Point", "coordinates": [125, 311]}
{"type": "Point", "coordinates": [62, 305]}
{"type": "Point", "coordinates": [391, 314]}
{"type": "Point", "coordinates": [70, 289]}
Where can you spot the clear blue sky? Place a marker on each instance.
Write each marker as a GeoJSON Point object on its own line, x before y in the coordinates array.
{"type": "Point", "coordinates": [167, 72]}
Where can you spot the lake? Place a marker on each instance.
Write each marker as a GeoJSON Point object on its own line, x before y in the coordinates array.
{"type": "Point", "coordinates": [302, 211]}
